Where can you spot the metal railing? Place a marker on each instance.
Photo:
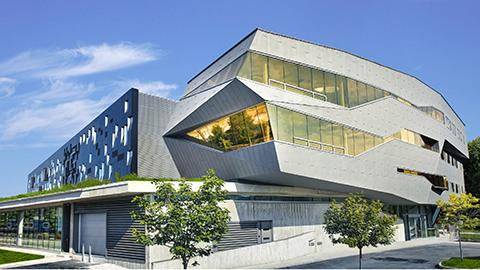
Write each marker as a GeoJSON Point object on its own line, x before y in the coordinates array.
{"type": "Point", "coordinates": [320, 145]}
{"type": "Point", "coordinates": [298, 90]}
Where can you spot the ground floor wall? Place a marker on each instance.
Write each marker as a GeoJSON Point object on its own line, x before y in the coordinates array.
{"type": "Point", "coordinates": [297, 230]}
{"type": "Point", "coordinates": [264, 229]}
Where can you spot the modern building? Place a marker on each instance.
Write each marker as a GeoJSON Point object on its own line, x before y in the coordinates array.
{"type": "Point", "coordinates": [289, 125]}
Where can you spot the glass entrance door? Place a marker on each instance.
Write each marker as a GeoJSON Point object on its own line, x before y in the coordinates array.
{"type": "Point", "coordinates": [417, 227]}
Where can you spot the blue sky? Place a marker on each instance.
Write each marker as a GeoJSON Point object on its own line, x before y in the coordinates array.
{"type": "Point", "coordinates": [63, 62]}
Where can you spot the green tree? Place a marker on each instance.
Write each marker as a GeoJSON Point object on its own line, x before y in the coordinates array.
{"type": "Point", "coordinates": [217, 139]}
{"type": "Point", "coordinates": [462, 212]}
{"type": "Point", "coordinates": [472, 168]}
{"type": "Point", "coordinates": [358, 223]}
{"type": "Point", "coordinates": [185, 220]}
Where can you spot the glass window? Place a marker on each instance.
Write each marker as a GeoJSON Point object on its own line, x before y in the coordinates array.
{"type": "Point", "coordinates": [341, 83]}
{"type": "Point", "coordinates": [313, 129]}
{"type": "Point", "coordinates": [337, 131]}
{"type": "Point", "coordinates": [285, 125]}
{"type": "Point", "coordinates": [259, 68]}
{"type": "Point", "coordinates": [253, 126]}
{"type": "Point", "coordinates": [378, 140]}
{"type": "Point", "coordinates": [300, 128]}
{"type": "Point", "coordinates": [350, 143]}
{"type": "Point", "coordinates": [330, 88]}
{"type": "Point", "coordinates": [272, 113]}
{"type": "Point", "coordinates": [264, 123]}
{"type": "Point", "coordinates": [362, 93]}
{"type": "Point", "coordinates": [291, 73]}
{"type": "Point", "coordinates": [246, 69]}
{"type": "Point", "coordinates": [326, 134]}
{"type": "Point", "coordinates": [235, 131]}
{"type": "Point", "coordinates": [352, 93]}
{"type": "Point", "coordinates": [369, 141]}
{"type": "Point", "coordinates": [370, 93]}
{"type": "Point", "coordinates": [378, 93]}
{"type": "Point", "coordinates": [275, 71]}
{"type": "Point", "coordinates": [318, 81]}
{"type": "Point", "coordinates": [359, 140]}
{"type": "Point", "coordinates": [305, 77]}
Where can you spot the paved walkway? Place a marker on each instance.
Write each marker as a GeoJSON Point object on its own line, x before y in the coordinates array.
{"type": "Point", "coordinates": [416, 254]}
{"type": "Point", "coordinates": [55, 260]}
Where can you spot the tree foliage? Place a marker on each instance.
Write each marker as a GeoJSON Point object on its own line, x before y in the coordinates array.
{"type": "Point", "coordinates": [472, 168]}
{"type": "Point", "coordinates": [185, 220]}
{"type": "Point", "coordinates": [462, 212]}
{"type": "Point", "coordinates": [358, 223]}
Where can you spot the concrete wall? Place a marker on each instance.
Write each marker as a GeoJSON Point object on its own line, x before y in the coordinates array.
{"type": "Point", "coordinates": [298, 230]}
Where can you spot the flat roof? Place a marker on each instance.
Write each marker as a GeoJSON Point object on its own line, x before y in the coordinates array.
{"type": "Point", "coordinates": [130, 188]}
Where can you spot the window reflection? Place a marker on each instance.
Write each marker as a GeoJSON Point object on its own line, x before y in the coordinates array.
{"type": "Point", "coordinates": [316, 83]}
{"type": "Point", "coordinates": [297, 128]}
{"type": "Point", "coordinates": [412, 137]}
{"type": "Point", "coordinates": [238, 130]}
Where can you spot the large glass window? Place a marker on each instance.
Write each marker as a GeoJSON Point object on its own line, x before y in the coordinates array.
{"type": "Point", "coordinates": [305, 77]}
{"type": "Point", "coordinates": [291, 73]}
{"type": "Point", "coordinates": [303, 80]}
{"type": "Point", "coordinates": [275, 71]}
{"type": "Point", "coordinates": [341, 90]}
{"type": "Point", "coordinates": [362, 93]}
{"type": "Point", "coordinates": [300, 129]}
{"type": "Point", "coordinates": [370, 93]}
{"type": "Point", "coordinates": [285, 124]}
{"type": "Point", "coordinates": [352, 93]}
{"type": "Point", "coordinates": [8, 228]}
{"type": "Point", "coordinates": [330, 91]}
{"type": "Point", "coordinates": [259, 68]}
{"type": "Point", "coordinates": [309, 131]}
{"type": "Point", "coordinates": [314, 131]}
{"type": "Point", "coordinates": [359, 139]}
{"type": "Point", "coordinates": [318, 81]}
{"type": "Point", "coordinates": [238, 130]}
{"type": "Point", "coordinates": [337, 132]}
{"type": "Point", "coordinates": [326, 135]}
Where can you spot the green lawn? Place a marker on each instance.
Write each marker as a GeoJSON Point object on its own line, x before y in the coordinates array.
{"type": "Point", "coordinates": [470, 235]}
{"type": "Point", "coordinates": [467, 263]}
{"type": "Point", "coordinates": [7, 256]}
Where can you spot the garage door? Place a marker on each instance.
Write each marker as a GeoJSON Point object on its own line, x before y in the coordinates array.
{"type": "Point", "coordinates": [93, 232]}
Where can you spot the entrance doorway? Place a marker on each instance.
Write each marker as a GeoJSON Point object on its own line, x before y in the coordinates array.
{"type": "Point", "coordinates": [417, 226]}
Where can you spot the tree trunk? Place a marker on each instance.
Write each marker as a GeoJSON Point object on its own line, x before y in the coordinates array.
{"type": "Point", "coordinates": [460, 244]}
{"type": "Point", "coordinates": [360, 258]}
{"type": "Point", "coordinates": [185, 262]}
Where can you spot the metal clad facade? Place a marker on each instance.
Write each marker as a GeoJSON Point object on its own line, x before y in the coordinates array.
{"type": "Point", "coordinates": [120, 242]}
{"type": "Point", "coordinates": [154, 159]}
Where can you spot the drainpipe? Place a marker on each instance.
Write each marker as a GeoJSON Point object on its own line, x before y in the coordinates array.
{"type": "Point", "coordinates": [20, 228]}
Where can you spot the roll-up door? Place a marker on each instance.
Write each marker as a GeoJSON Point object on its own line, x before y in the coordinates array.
{"type": "Point", "coordinates": [93, 232]}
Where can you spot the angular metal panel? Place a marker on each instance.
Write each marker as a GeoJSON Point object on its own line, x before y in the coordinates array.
{"type": "Point", "coordinates": [154, 159]}
{"type": "Point", "coordinates": [233, 97]}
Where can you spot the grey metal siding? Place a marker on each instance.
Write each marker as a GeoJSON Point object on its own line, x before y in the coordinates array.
{"type": "Point", "coordinates": [120, 240]}
{"type": "Point", "coordinates": [154, 159]}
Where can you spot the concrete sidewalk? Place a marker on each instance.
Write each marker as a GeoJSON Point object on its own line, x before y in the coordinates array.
{"type": "Point", "coordinates": [342, 251]}
{"type": "Point", "coordinates": [50, 257]}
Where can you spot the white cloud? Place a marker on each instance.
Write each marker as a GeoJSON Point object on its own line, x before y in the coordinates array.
{"type": "Point", "coordinates": [59, 120]}
{"type": "Point", "coordinates": [58, 90]}
{"type": "Point", "coordinates": [85, 60]}
{"type": "Point", "coordinates": [157, 88]}
{"type": "Point", "coordinates": [7, 87]}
